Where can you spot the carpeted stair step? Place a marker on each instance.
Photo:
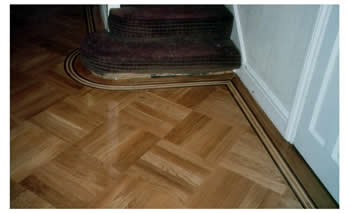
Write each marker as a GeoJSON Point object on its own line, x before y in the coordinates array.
{"type": "Point", "coordinates": [164, 22]}
{"type": "Point", "coordinates": [101, 52]}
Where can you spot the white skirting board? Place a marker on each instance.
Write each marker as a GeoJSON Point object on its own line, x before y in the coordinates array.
{"type": "Point", "coordinates": [262, 94]}
{"type": "Point", "coordinates": [266, 99]}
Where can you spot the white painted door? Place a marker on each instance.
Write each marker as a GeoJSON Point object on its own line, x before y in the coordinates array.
{"type": "Point", "coordinates": [318, 131]}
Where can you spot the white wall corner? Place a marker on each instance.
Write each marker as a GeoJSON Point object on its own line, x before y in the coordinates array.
{"type": "Point", "coordinates": [237, 21]}
{"type": "Point", "coordinates": [104, 16]}
{"type": "Point", "coordinates": [262, 94]}
{"type": "Point", "coordinates": [112, 6]}
{"type": "Point", "coordinates": [104, 11]}
{"type": "Point", "coordinates": [307, 71]}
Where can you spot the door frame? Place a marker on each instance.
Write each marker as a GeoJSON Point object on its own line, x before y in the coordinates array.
{"type": "Point", "coordinates": [308, 72]}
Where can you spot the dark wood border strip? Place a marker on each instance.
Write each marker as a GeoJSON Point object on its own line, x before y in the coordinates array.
{"type": "Point", "coordinates": [89, 19]}
{"type": "Point", "coordinates": [292, 180]}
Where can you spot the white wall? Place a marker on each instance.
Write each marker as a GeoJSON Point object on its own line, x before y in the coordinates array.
{"type": "Point", "coordinates": [234, 34]}
{"type": "Point", "coordinates": [112, 6]}
{"type": "Point", "coordinates": [104, 10]}
{"type": "Point", "coordinates": [276, 40]}
{"type": "Point", "coordinates": [104, 15]}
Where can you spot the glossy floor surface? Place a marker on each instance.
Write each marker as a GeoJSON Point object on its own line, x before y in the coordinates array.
{"type": "Point", "coordinates": [77, 147]}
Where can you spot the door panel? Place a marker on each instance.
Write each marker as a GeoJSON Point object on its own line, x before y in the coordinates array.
{"type": "Point", "coordinates": [318, 130]}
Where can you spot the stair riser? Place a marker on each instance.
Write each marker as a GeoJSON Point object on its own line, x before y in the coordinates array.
{"type": "Point", "coordinates": [164, 21]}
{"type": "Point", "coordinates": [217, 29]}
{"type": "Point", "coordinates": [142, 66]}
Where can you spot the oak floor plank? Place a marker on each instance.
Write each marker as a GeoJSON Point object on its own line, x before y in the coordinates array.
{"type": "Point", "coordinates": [31, 147]}
{"type": "Point", "coordinates": [33, 100]}
{"type": "Point", "coordinates": [206, 139]}
{"type": "Point", "coordinates": [71, 180]}
{"type": "Point", "coordinates": [243, 159]}
{"type": "Point", "coordinates": [68, 121]}
{"type": "Point", "coordinates": [223, 190]}
{"type": "Point", "coordinates": [187, 127]}
{"type": "Point", "coordinates": [221, 106]}
{"type": "Point", "coordinates": [29, 200]}
{"type": "Point", "coordinates": [189, 97]}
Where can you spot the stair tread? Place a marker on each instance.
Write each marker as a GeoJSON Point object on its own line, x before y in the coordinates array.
{"type": "Point", "coordinates": [169, 21]}
{"type": "Point", "coordinates": [177, 12]}
{"type": "Point", "coordinates": [105, 47]}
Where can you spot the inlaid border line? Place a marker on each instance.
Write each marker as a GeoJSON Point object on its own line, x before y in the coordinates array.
{"type": "Point", "coordinates": [89, 19]}
{"type": "Point", "coordinates": [292, 180]}
{"type": "Point", "coordinates": [69, 68]}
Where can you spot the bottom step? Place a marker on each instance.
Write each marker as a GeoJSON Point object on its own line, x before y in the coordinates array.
{"type": "Point", "coordinates": [101, 54]}
{"type": "Point", "coordinates": [127, 81]}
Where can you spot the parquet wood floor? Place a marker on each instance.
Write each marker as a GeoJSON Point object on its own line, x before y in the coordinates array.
{"type": "Point", "coordinates": [78, 147]}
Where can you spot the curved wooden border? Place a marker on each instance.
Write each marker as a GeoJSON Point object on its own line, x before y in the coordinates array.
{"type": "Point", "coordinates": [292, 180]}
{"type": "Point", "coordinates": [76, 72]}
{"type": "Point", "coordinates": [276, 156]}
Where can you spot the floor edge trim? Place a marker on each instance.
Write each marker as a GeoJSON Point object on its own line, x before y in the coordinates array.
{"type": "Point", "coordinates": [283, 166]}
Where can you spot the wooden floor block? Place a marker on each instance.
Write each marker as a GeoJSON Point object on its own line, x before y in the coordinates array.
{"type": "Point", "coordinates": [117, 144]}
{"type": "Point", "coordinates": [22, 198]}
{"type": "Point", "coordinates": [187, 127]}
{"type": "Point", "coordinates": [188, 97]}
{"type": "Point", "coordinates": [157, 115]}
{"type": "Point", "coordinates": [221, 106]}
{"type": "Point", "coordinates": [68, 121]}
{"type": "Point", "coordinates": [34, 99]}
{"type": "Point", "coordinates": [222, 190]}
{"type": "Point", "coordinates": [171, 168]}
{"type": "Point", "coordinates": [71, 180]}
{"type": "Point", "coordinates": [206, 139]}
{"type": "Point", "coordinates": [243, 159]}
{"type": "Point", "coordinates": [275, 201]}
{"type": "Point", "coordinates": [123, 194]}
{"type": "Point", "coordinates": [31, 147]}
{"type": "Point", "coordinates": [29, 200]}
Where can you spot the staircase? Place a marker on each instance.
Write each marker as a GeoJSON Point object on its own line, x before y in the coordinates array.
{"type": "Point", "coordinates": [162, 40]}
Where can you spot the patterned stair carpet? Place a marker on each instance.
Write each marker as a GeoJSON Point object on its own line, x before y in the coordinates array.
{"type": "Point", "coordinates": [171, 21]}
{"type": "Point", "coordinates": [163, 39]}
